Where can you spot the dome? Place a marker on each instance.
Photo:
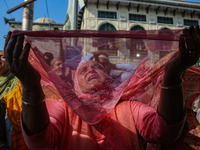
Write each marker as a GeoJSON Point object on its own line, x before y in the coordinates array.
{"type": "Point", "coordinates": [44, 20]}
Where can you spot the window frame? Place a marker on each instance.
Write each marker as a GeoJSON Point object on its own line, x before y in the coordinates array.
{"type": "Point", "coordinates": [137, 17]}
{"type": "Point", "coordinates": [166, 20]}
{"type": "Point", "coordinates": [107, 13]}
{"type": "Point", "coordinates": [189, 20]}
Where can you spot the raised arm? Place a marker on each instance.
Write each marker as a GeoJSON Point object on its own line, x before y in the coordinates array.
{"type": "Point", "coordinates": [171, 106]}
{"type": "Point", "coordinates": [34, 112]}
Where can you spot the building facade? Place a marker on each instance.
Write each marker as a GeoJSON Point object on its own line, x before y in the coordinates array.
{"type": "Point", "coordinates": [134, 15]}
{"type": "Point", "coordinates": [138, 14]}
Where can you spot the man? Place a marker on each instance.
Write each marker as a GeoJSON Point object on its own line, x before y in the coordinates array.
{"type": "Point", "coordinates": [59, 68]}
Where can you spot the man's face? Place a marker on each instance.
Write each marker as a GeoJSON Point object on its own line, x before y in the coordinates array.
{"type": "Point", "coordinates": [58, 67]}
{"type": "Point", "coordinates": [3, 67]}
{"type": "Point", "coordinates": [91, 76]}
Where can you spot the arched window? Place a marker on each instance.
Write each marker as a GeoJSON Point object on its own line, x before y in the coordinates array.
{"type": "Point", "coordinates": [107, 27]}
{"type": "Point", "coordinates": [137, 27]}
{"type": "Point", "coordinates": [164, 29]}
{"type": "Point", "coordinates": [163, 45]}
{"type": "Point", "coordinates": [137, 46]}
{"type": "Point", "coordinates": [107, 45]}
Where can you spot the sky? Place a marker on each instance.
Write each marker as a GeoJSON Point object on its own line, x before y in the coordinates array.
{"type": "Point", "coordinates": [54, 9]}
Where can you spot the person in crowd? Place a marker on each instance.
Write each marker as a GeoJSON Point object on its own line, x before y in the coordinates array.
{"type": "Point", "coordinates": [59, 68]}
{"type": "Point", "coordinates": [61, 128]}
{"type": "Point", "coordinates": [5, 125]}
{"type": "Point", "coordinates": [10, 97]}
{"type": "Point", "coordinates": [196, 108]}
{"type": "Point", "coordinates": [48, 57]}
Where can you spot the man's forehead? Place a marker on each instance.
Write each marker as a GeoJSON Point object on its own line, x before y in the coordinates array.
{"type": "Point", "coordinates": [90, 63]}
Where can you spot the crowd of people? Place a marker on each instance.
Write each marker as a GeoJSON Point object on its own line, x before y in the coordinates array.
{"type": "Point", "coordinates": [130, 124]}
{"type": "Point", "coordinates": [11, 106]}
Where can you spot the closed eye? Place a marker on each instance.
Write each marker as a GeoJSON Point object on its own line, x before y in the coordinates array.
{"type": "Point", "coordinates": [83, 70]}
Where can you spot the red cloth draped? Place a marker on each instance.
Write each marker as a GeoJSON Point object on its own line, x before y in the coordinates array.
{"type": "Point", "coordinates": [148, 50]}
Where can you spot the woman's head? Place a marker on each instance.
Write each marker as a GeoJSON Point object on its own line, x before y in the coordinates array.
{"type": "Point", "coordinates": [3, 66]}
{"type": "Point", "coordinates": [91, 77]}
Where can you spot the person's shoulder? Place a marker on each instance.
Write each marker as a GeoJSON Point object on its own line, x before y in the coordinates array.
{"type": "Point", "coordinates": [123, 108]}
{"type": "Point", "coordinates": [59, 107]}
{"type": "Point", "coordinates": [129, 103]}
{"type": "Point", "coordinates": [123, 104]}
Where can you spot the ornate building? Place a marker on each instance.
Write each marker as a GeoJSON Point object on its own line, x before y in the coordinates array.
{"type": "Point", "coordinates": [138, 14]}
{"type": "Point", "coordinates": [134, 15]}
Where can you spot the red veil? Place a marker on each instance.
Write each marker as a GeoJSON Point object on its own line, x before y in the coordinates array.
{"type": "Point", "coordinates": [148, 51]}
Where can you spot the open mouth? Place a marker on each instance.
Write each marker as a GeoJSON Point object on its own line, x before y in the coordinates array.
{"type": "Point", "coordinates": [93, 77]}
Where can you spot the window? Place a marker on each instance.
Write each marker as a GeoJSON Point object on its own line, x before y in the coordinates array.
{"type": "Point", "coordinates": [137, 46]}
{"type": "Point", "coordinates": [137, 17]}
{"type": "Point", "coordinates": [107, 14]}
{"type": "Point", "coordinates": [107, 27]}
{"type": "Point", "coordinates": [137, 49]}
{"type": "Point", "coordinates": [107, 45]}
{"type": "Point", "coordinates": [137, 27]}
{"type": "Point", "coordinates": [190, 22]}
{"type": "Point", "coordinates": [165, 29]}
{"type": "Point", "coordinates": [165, 47]}
{"type": "Point", "coordinates": [165, 20]}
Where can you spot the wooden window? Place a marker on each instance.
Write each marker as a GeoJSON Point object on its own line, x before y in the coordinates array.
{"type": "Point", "coordinates": [137, 17]}
{"type": "Point", "coordinates": [107, 27]}
{"type": "Point", "coordinates": [107, 14]}
{"type": "Point", "coordinates": [190, 22]}
{"type": "Point", "coordinates": [107, 45]}
{"type": "Point", "coordinates": [137, 48]}
{"type": "Point", "coordinates": [137, 27]}
{"type": "Point", "coordinates": [165, 20]}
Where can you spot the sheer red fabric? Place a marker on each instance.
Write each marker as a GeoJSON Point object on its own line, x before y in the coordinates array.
{"type": "Point", "coordinates": [147, 51]}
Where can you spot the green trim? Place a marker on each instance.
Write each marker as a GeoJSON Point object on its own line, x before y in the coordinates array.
{"type": "Point", "coordinates": [7, 82]}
